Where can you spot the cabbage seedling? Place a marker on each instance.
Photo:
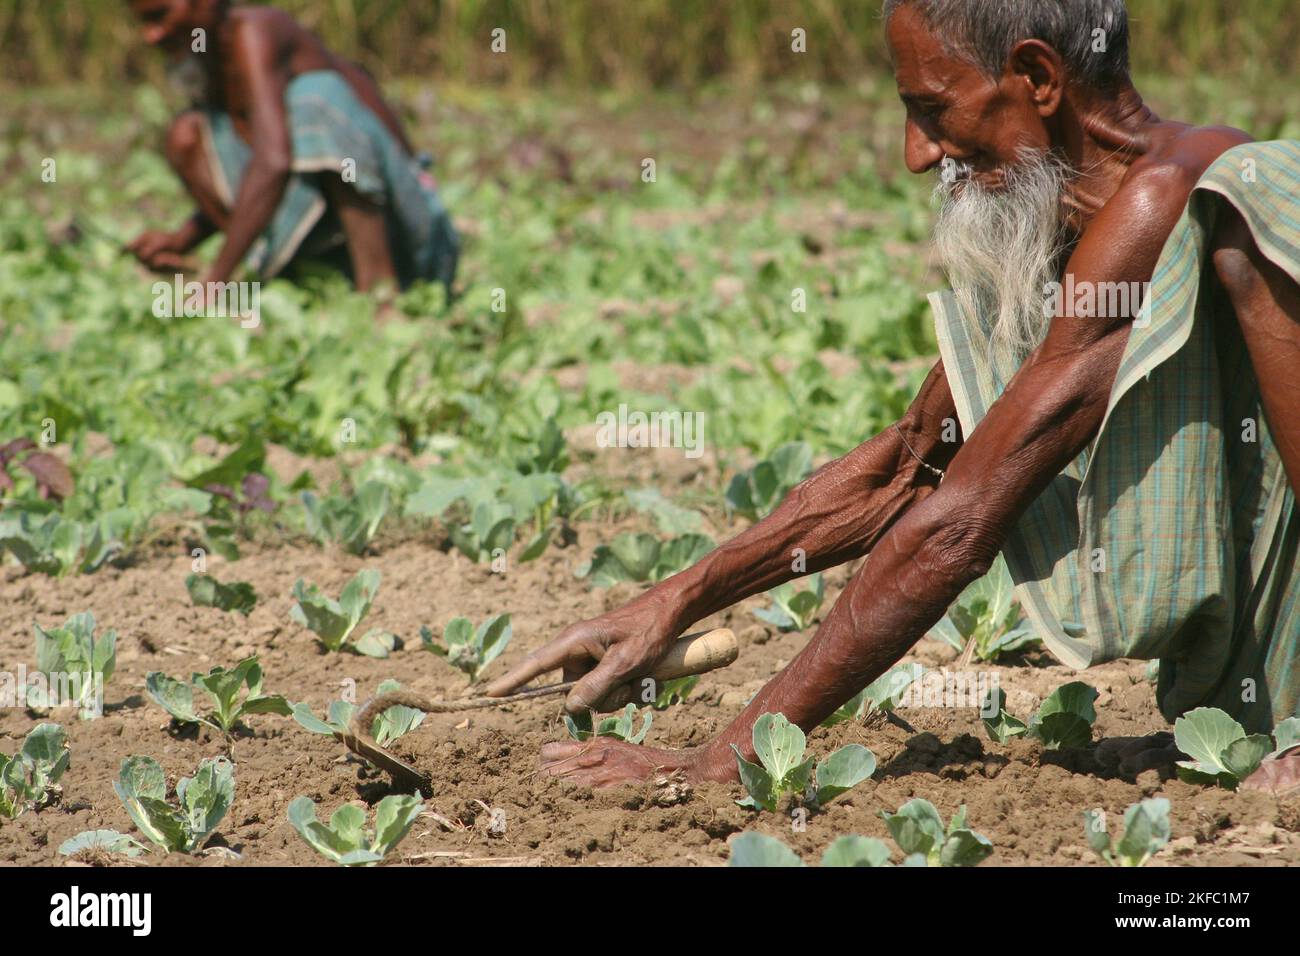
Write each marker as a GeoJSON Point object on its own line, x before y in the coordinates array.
{"type": "Point", "coordinates": [222, 688]}
{"type": "Point", "coordinates": [782, 770]}
{"type": "Point", "coordinates": [1222, 753]}
{"type": "Point", "coordinates": [467, 649]}
{"type": "Point", "coordinates": [56, 545]}
{"type": "Point", "coordinates": [643, 557]}
{"type": "Point", "coordinates": [387, 726]}
{"type": "Point", "coordinates": [986, 617]}
{"type": "Point", "coordinates": [756, 492]}
{"type": "Point", "coordinates": [883, 694]}
{"type": "Point", "coordinates": [1064, 719]}
{"type": "Point", "coordinates": [919, 832]}
{"type": "Point", "coordinates": [29, 779]}
{"type": "Point", "coordinates": [1146, 831]}
{"type": "Point", "coordinates": [72, 654]}
{"type": "Point", "coordinates": [622, 726]}
{"type": "Point", "coordinates": [758, 849]}
{"type": "Point", "coordinates": [207, 591]}
{"type": "Point", "coordinates": [202, 800]}
{"type": "Point", "coordinates": [791, 610]}
{"type": "Point", "coordinates": [95, 842]}
{"type": "Point", "coordinates": [491, 530]}
{"type": "Point", "coordinates": [334, 621]}
{"type": "Point", "coordinates": [345, 840]}
{"type": "Point", "coordinates": [349, 520]}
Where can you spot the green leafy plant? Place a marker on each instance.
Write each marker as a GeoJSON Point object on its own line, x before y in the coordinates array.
{"type": "Point", "coordinates": [201, 801]}
{"type": "Point", "coordinates": [986, 617]}
{"type": "Point", "coordinates": [489, 532]}
{"type": "Point", "coordinates": [333, 622]}
{"type": "Point", "coordinates": [207, 591]}
{"type": "Point", "coordinates": [919, 832]}
{"type": "Point", "coordinates": [1064, 720]}
{"type": "Point", "coordinates": [223, 690]}
{"type": "Point", "coordinates": [467, 649]}
{"type": "Point", "coordinates": [674, 691]}
{"type": "Point", "coordinates": [56, 545]}
{"type": "Point", "coordinates": [643, 557]}
{"type": "Point", "coordinates": [29, 779]}
{"type": "Point", "coordinates": [881, 695]}
{"type": "Point", "coordinates": [72, 658]}
{"type": "Point", "coordinates": [1146, 831]}
{"type": "Point", "coordinates": [348, 520]}
{"type": "Point", "coordinates": [345, 839]}
{"type": "Point", "coordinates": [388, 725]}
{"type": "Point", "coordinates": [754, 493]}
{"type": "Point", "coordinates": [782, 769]}
{"type": "Point", "coordinates": [1222, 752]}
{"type": "Point", "coordinates": [96, 842]}
{"type": "Point", "coordinates": [758, 849]}
{"type": "Point", "coordinates": [793, 610]}
{"type": "Point", "coordinates": [622, 726]}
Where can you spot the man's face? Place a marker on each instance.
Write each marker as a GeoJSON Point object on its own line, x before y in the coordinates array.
{"type": "Point", "coordinates": [954, 110]}
{"type": "Point", "coordinates": [165, 23]}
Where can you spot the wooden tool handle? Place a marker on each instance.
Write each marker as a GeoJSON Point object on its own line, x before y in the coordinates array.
{"type": "Point", "coordinates": [698, 654]}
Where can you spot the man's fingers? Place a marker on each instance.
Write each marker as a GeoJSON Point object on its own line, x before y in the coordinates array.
{"type": "Point", "coordinates": [595, 686]}
{"type": "Point", "coordinates": [548, 658]}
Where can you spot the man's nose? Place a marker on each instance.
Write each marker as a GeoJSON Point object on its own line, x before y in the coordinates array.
{"type": "Point", "coordinates": [920, 151]}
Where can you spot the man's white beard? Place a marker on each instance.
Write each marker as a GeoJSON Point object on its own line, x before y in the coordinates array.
{"type": "Point", "coordinates": [1000, 249]}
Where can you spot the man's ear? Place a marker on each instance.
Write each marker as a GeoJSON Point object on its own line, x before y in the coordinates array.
{"type": "Point", "coordinates": [1040, 71]}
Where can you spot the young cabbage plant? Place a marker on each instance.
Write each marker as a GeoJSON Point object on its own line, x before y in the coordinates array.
{"type": "Point", "coordinates": [754, 493]}
{"type": "Point", "coordinates": [207, 591]}
{"type": "Point", "coordinates": [1222, 752]}
{"type": "Point", "coordinates": [1064, 720]}
{"type": "Point", "coordinates": [882, 695]}
{"type": "Point", "coordinates": [793, 610]}
{"type": "Point", "coordinates": [758, 849]}
{"type": "Point", "coordinates": [1146, 831]}
{"type": "Point", "coordinates": [467, 649]}
{"type": "Point", "coordinates": [54, 545]}
{"type": "Point", "coordinates": [201, 801]}
{"type": "Point", "coordinates": [333, 622]}
{"type": "Point", "coordinates": [345, 839]}
{"type": "Point", "coordinates": [223, 691]}
{"type": "Point", "coordinates": [919, 832]}
{"type": "Point", "coordinates": [30, 778]}
{"type": "Point", "coordinates": [622, 726]}
{"type": "Point", "coordinates": [782, 769]}
{"type": "Point", "coordinates": [643, 557]}
{"type": "Point", "coordinates": [986, 617]}
{"type": "Point", "coordinates": [673, 691]}
{"type": "Point", "coordinates": [74, 660]}
{"type": "Point", "coordinates": [98, 843]}
{"type": "Point", "coordinates": [489, 533]}
{"type": "Point", "coordinates": [350, 521]}
{"type": "Point", "coordinates": [388, 725]}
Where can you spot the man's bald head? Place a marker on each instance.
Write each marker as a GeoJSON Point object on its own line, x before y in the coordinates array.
{"type": "Point", "coordinates": [984, 33]}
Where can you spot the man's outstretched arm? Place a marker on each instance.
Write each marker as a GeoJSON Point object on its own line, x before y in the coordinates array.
{"type": "Point", "coordinates": [836, 515]}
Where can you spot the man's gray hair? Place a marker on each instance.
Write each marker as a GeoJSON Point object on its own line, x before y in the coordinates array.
{"type": "Point", "coordinates": [1090, 35]}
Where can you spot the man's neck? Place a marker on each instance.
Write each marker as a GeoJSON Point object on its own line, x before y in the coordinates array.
{"type": "Point", "coordinates": [1101, 136]}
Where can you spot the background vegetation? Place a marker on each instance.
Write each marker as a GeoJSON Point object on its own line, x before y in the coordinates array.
{"type": "Point", "coordinates": [627, 43]}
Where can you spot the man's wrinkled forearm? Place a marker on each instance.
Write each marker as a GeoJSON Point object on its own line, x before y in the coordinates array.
{"type": "Point", "coordinates": [899, 593]}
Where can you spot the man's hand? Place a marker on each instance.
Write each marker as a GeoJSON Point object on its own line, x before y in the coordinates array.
{"type": "Point", "coordinates": [602, 654]}
{"type": "Point", "coordinates": [608, 761]}
{"type": "Point", "coordinates": [160, 250]}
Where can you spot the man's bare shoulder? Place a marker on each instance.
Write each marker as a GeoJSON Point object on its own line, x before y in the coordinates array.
{"type": "Point", "coordinates": [1177, 157]}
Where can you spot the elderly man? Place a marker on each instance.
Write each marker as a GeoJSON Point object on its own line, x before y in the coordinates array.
{"type": "Point", "coordinates": [1135, 464]}
{"type": "Point", "coordinates": [291, 151]}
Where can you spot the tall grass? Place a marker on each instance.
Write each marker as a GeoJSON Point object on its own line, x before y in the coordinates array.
{"type": "Point", "coordinates": [626, 43]}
